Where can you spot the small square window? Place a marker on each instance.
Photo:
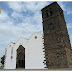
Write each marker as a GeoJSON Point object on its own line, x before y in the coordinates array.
{"type": "Point", "coordinates": [35, 37]}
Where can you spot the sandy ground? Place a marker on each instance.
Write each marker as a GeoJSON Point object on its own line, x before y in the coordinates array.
{"type": "Point", "coordinates": [22, 69]}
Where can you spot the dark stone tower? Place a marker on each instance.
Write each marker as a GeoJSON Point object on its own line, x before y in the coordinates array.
{"type": "Point", "coordinates": [57, 45]}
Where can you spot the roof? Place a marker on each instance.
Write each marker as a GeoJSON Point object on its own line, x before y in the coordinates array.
{"type": "Point", "coordinates": [22, 38]}
{"type": "Point", "coordinates": [50, 5]}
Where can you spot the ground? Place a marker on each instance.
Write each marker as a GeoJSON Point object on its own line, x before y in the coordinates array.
{"type": "Point", "coordinates": [22, 69]}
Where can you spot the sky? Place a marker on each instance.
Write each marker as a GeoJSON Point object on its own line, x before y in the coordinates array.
{"type": "Point", "coordinates": [22, 19]}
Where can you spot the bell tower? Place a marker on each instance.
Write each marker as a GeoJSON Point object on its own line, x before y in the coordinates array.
{"type": "Point", "coordinates": [57, 45]}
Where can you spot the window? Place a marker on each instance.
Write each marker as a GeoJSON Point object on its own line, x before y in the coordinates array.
{"type": "Point", "coordinates": [35, 37]}
{"type": "Point", "coordinates": [47, 15]}
{"type": "Point", "coordinates": [51, 13]}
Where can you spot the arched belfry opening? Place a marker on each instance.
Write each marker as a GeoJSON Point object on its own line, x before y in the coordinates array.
{"type": "Point", "coordinates": [20, 60]}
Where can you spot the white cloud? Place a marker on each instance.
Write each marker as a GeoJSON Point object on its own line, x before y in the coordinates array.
{"type": "Point", "coordinates": [35, 6]}
{"type": "Point", "coordinates": [69, 25]}
{"type": "Point", "coordinates": [16, 15]}
{"type": "Point", "coordinates": [64, 7]}
{"type": "Point", "coordinates": [69, 11]}
{"type": "Point", "coordinates": [24, 6]}
{"type": "Point", "coordinates": [16, 6]}
{"type": "Point", "coordinates": [3, 16]}
{"type": "Point", "coordinates": [30, 23]}
{"type": "Point", "coordinates": [11, 29]}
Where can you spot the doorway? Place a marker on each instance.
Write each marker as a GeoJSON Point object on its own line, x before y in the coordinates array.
{"type": "Point", "coordinates": [20, 60]}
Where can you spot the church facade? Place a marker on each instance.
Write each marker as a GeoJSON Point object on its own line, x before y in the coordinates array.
{"type": "Point", "coordinates": [25, 53]}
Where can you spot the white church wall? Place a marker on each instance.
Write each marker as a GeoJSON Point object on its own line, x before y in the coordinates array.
{"type": "Point", "coordinates": [34, 55]}
{"type": "Point", "coordinates": [36, 52]}
{"type": "Point", "coordinates": [22, 42]}
{"type": "Point", "coordinates": [8, 61]}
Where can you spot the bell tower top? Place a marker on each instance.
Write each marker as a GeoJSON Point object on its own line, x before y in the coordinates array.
{"type": "Point", "coordinates": [51, 10]}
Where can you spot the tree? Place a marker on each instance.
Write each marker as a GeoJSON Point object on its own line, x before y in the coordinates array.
{"type": "Point", "coordinates": [2, 59]}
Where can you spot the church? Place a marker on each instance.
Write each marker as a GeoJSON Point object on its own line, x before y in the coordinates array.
{"type": "Point", "coordinates": [50, 50]}
{"type": "Point", "coordinates": [25, 53]}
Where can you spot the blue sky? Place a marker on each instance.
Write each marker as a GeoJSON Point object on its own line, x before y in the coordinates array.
{"type": "Point", "coordinates": [22, 19]}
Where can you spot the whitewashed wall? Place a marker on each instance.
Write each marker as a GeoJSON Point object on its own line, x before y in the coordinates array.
{"type": "Point", "coordinates": [8, 61]}
{"type": "Point", "coordinates": [34, 55]}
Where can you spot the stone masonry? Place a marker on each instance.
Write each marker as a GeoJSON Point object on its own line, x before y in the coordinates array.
{"type": "Point", "coordinates": [57, 45]}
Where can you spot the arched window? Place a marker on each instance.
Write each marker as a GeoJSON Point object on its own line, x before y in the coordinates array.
{"type": "Point", "coordinates": [51, 13]}
{"type": "Point", "coordinates": [47, 13]}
